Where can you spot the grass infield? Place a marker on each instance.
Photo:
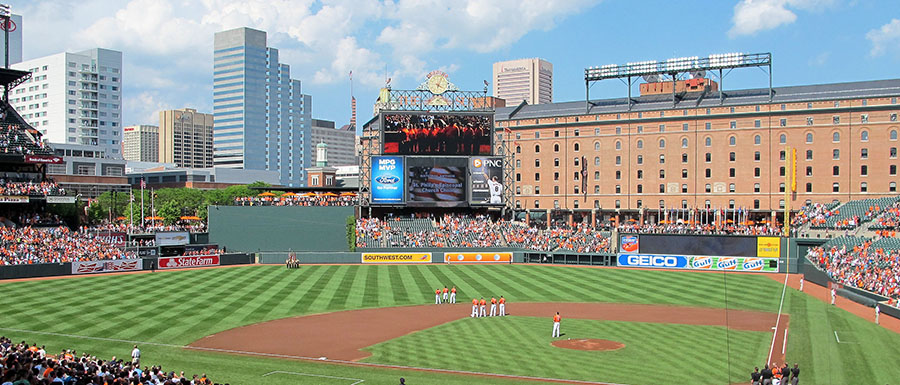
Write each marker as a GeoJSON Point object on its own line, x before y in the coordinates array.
{"type": "Point", "coordinates": [174, 308]}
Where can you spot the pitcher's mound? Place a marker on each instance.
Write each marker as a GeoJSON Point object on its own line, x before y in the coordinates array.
{"type": "Point", "coordinates": [588, 344]}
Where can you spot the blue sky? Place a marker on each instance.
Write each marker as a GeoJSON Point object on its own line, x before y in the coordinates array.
{"type": "Point", "coordinates": [167, 44]}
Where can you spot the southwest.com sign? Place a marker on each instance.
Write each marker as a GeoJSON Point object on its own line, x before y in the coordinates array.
{"type": "Point", "coordinates": [387, 179]}
{"type": "Point", "coordinates": [693, 262]}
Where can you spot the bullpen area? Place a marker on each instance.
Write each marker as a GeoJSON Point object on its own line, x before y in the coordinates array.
{"type": "Point", "coordinates": [361, 324]}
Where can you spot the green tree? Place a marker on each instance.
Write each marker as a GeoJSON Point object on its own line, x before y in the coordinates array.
{"type": "Point", "coordinates": [170, 211]}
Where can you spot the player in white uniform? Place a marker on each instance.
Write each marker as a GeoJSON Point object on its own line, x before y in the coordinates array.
{"type": "Point", "coordinates": [556, 320]}
{"type": "Point", "coordinates": [502, 306]}
{"type": "Point", "coordinates": [474, 308]}
{"type": "Point", "coordinates": [453, 295]}
{"type": "Point", "coordinates": [481, 307]}
{"type": "Point", "coordinates": [496, 190]}
{"type": "Point", "coordinates": [493, 306]}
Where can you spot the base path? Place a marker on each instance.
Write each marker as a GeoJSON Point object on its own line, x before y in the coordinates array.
{"type": "Point", "coordinates": [341, 335]}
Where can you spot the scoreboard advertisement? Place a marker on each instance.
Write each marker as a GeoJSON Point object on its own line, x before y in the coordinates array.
{"type": "Point", "coordinates": [436, 182]}
{"type": "Point", "coordinates": [486, 181]}
{"type": "Point", "coordinates": [387, 179]}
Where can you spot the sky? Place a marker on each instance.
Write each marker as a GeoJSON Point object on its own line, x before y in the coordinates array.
{"type": "Point", "coordinates": [167, 44]}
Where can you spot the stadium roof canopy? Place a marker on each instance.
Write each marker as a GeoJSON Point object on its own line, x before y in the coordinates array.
{"type": "Point", "coordinates": [8, 76]}
{"type": "Point", "coordinates": [793, 94]}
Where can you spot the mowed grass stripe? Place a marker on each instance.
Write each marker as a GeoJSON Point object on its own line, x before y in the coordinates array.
{"type": "Point", "coordinates": [422, 285]}
{"type": "Point", "coordinates": [382, 293]}
{"type": "Point", "coordinates": [299, 282]}
{"type": "Point", "coordinates": [306, 300]}
{"type": "Point", "coordinates": [275, 293]}
{"type": "Point", "coordinates": [513, 286]}
{"type": "Point", "coordinates": [399, 292]}
{"type": "Point", "coordinates": [334, 294]}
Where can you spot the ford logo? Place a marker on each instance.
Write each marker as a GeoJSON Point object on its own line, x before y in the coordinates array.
{"type": "Point", "coordinates": [387, 179]}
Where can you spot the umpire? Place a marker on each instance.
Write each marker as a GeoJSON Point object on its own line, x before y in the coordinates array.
{"type": "Point", "coordinates": [755, 377]}
{"type": "Point", "coordinates": [795, 374]}
{"type": "Point", "coordinates": [766, 375]}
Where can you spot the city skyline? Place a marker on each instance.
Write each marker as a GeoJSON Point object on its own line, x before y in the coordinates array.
{"type": "Point", "coordinates": [167, 45]}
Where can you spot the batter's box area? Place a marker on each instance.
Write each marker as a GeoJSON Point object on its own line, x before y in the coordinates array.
{"type": "Point", "coordinates": [845, 337]}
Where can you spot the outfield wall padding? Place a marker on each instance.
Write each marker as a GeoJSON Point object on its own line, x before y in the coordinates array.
{"type": "Point", "coordinates": [35, 271]}
{"type": "Point", "coordinates": [276, 228]}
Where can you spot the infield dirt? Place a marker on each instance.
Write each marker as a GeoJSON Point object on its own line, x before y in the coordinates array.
{"type": "Point", "coordinates": [341, 335]}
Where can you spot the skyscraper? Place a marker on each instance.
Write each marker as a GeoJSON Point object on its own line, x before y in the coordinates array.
{"type": "Point", "coordinates": [186, 138]}
{"type": "Point", "coordinates": [74, 98]}
{"type": "Point", "coordinates": [261, 119]}
{"type": "Point", "coordinates": [141, 143]}
{"type": "Point", "coordinates": [530, 80]}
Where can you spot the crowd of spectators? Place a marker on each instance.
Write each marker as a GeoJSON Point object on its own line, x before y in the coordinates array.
{"type": "Point", "coordinates": [32, 245]}
{"type": "Point", "coordinates": [30, 188]}
{"type": "Point", "coordinates": [326, 199]}
{"type": "Point", "coordinates": [213, 251]}
{"type": "Point", "coordinates": [889, 219]}
{"type": "Point", "coordinates": [13, 140]}
{"type": "Point", "coordinates": [479, 231]}
{"type": "Point", "coordinates": [189, 226]}
{"type": "Point", "coordinates": [30, 364]}
{"type": "Point", "coordinates": [862, 266]}
{"type": "Point", "coordinates": [700, 229]}
{"type": "Point", "coordinates": [815, 214]}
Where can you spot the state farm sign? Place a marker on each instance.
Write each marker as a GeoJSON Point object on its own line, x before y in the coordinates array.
{"type": "Point", "coordinates": [192, 261]}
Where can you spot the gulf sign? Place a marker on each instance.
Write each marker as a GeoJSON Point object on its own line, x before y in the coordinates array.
{"type": "Point", "coordinates": [192, 261]}
{"type": "Point", "coordinates": [629, 243]}
{"type": "Point", "coordinates": [483, 257]}
{"type": "Point", "coordinates": [403, 258]}
{"type": "Point", "coordinates": [387, 179]}
{"type": "Point", "coordinates": [753, 264]}
{"type": "Point", "coordinates": [701, 262]}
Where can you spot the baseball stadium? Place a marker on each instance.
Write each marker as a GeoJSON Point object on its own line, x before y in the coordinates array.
{"type": "Point", "coordinates": [438, 269]}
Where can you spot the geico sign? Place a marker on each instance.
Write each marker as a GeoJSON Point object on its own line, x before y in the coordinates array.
{"type": "Point", "coordinates": [652, 260]}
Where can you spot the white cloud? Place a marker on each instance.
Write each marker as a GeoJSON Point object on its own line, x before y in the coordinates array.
{"type": "Point", "coordinates": [752, 16]}
{"type": "Point", "coordinates": [885, 38]}
{"type": "Point", "coordinates": [144, 107]}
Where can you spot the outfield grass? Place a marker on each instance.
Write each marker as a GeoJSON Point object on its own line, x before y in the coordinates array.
{"type": "Point", "coordinates": [178, 307]}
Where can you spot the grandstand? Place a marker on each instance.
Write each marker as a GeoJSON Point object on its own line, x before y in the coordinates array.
{"type": "Point", "coordinates": [854, 213]}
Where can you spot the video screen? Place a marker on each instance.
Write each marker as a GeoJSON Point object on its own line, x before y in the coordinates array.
{"type": "Point", "coordinates": [486, 181]}
{"type": "Point", "coordinates": [437, 134]}
{"type": "Point", "coordinates": [436, 182]}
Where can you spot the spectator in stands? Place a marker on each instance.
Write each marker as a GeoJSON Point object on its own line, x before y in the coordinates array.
{"type": "Point", "coordinates": [54, 245]}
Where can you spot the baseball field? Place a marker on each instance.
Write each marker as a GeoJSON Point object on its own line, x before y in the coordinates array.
{"type": "Point", "coordinates": [363, 324]}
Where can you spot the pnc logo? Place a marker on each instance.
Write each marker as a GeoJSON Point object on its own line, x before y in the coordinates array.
{"type": "Point", "coordinates": [477, 163]}
{"type": "Point", "coordinates": [727, 263]}
{"type": "Point", "coordinates": [387, 179]}
{"type": "Point", "coordinates": [753, 264]}
{"type": "Point", "coordinates": [701, 263]}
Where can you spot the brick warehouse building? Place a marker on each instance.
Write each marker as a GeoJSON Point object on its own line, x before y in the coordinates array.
{"type": "Point", "coordinates": [703, 152]}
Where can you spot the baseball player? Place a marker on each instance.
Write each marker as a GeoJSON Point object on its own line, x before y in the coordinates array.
{"type": "Point", "coordinates": [801, 283]}
{"type": "Point", "coordinates": [474, 307]}
{"type": "Point", "coordinates": [453, 295]}
{"type": "Point", "coordinates": [493, 306]}
{"type": "Point", "coordinates": [755, 377]}
{"type": "Point", "coordinates": [446, 293]}
{"type": "Point", "coordinates": [556, 320]}
{"type": "Point", "coordinates": [833, 292]}
{"type": "Point", "coordinates": [877, 312]}
{"type": "Point", "coordinates": [481, 307]}
{"type": "Point", "coordinates": [502, 306]}
{"type": "Point", "coordinates": [437, 297]}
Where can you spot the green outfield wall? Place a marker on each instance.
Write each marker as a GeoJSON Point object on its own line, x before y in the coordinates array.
{"type": "Point", "coordinates": [279, 228]}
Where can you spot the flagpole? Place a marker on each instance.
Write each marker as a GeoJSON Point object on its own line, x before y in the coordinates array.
{"type": "Point", "coordinates": [142, 202]}
{"type": "Point", "coordinates": [152, 209]}
{"type": "Point", "coordinates": [131, 208]}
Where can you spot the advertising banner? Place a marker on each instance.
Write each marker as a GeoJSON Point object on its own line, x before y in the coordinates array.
{"type": "Point", "coordinates": [486, 257]}
{"type": "Point", "coordinates": [629, 244]}
{"type": "Point", "coordinates": [89, 267]}
{"type": "Point", "coordinates": [387, 179]}
{"type": "Point", "coordinates": [13, 199]}
{"type": "Point", "coordinates": [436, 182]}
{"type": "Point", "coordinates": [43, 159]}
{"type": "Point", "coordinates": [768, 247]}
{"type": "Point", "coordinates": [694, 262]}
{"type": "Point", "coordinates": [486, 181]}
{"type": "Point", "coordinates": [117, 238]}
{"type": "Point", "coordinates": [396, 257]}
{"type": "Point", "coordinates": [65, 199]}
{"type": "Point", "coordinates": [173, 238]}
{"type": "Point", "coordinates": [192, 261]}
{"type": "Point", "coordinates": [146, 252]}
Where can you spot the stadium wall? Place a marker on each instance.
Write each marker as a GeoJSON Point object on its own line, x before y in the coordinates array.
{"type": "Point", "coordinates": [64, 269]}
{"type": "Point", "coordinates": [437, 255]}
{"type": "Point", "coordinates": [279, 228]}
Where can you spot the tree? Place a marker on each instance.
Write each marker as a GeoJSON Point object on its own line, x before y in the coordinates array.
{"type": "Point", "coordinates": [170, 211]}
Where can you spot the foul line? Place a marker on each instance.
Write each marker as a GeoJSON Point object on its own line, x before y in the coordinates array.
{"type": "Point", "coordinates": [321, 359]}
{"type": "Point", "coordinates": [778, 317]}
{"type": "Point", "coordinates": [836, 337]}
{"type": "Point", "coordinates": [358, 381]}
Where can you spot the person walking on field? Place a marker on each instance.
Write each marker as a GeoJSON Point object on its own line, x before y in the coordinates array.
{"type": "Point", "coordinates": [833, 293]}
{"type": "Point", "coordinates": [493, 306]}
{"type": "Point", "coordinates": [446, 294]}
{"type": "Point", "coordinates": [437, 297]}
{"type": "Point", "coordinates": [877, 312]}
{"type": "Point", "coordinates": [755, 377]}
{"type": "Point", "coordinates": [481, 304]}
{"type": "Point", "coordinates": [474, 307]}
{"type": "Point", "coordinates": [136, 355]}
{"type": "Point", "coordinates": [801, 283]}
{"type": "Point", "coordinates": [453, 295]}
{"type": "Point", "coordinates": [502, 306]}
{"type": "Point", "coordinates": [795, 374]}
{"type": "Point", "coordinates": [556, 320]}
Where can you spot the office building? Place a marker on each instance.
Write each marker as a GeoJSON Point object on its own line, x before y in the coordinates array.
{"type": "Point", "coordinates": [703, 152]}
{"type": "Point", "coordinates": [140, 143]}
{"type": "Point", "coordinates": [530, 80]}
{"type": "Point", "coordinates": [341, 142]}
{"type": "Point", "coordinates": [74, 98]}
{"type": "Point", "coordinates": [186, 138]}
{"type": "Point", "coordinates": [262, 120]}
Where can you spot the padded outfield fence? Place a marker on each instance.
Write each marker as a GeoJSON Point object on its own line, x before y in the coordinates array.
{"type": "Point", "coordinates": [123, 265]}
